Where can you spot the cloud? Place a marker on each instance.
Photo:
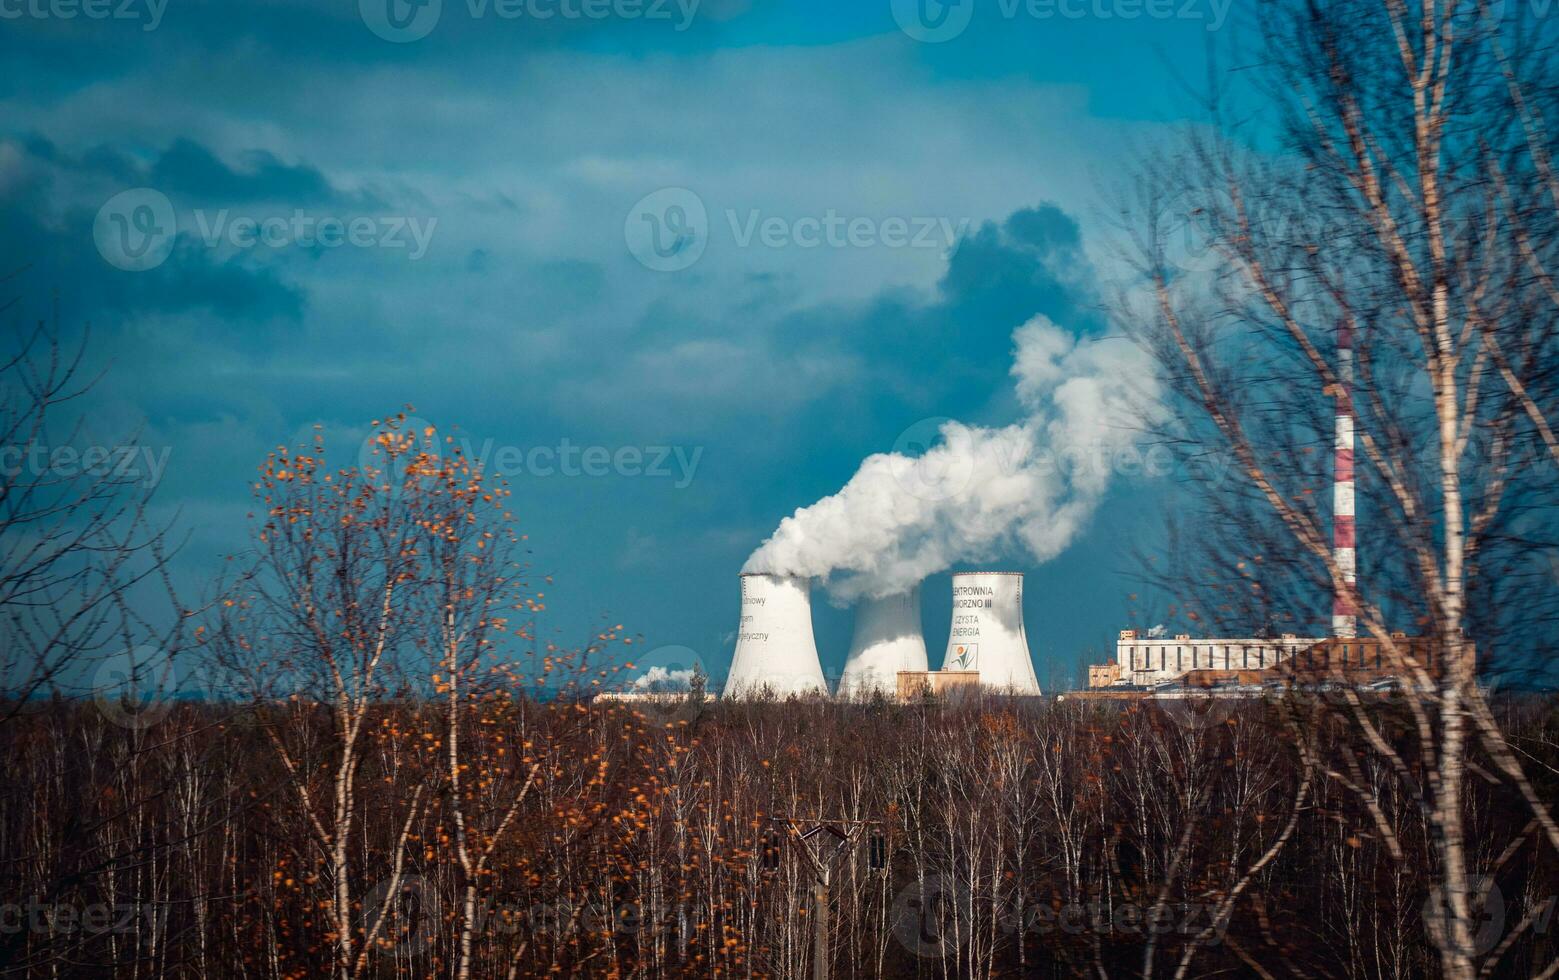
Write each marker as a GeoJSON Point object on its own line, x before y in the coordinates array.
{"type": "Point", "coordinates": [190, 170]}
{"type": "Point", "coordinates": [661, 679]}
{"type": "Point", "coordinates": [529, 320]}
{"type": "Point", "coordinates": [979, 494]}
{"type": "Point", "coordinates": [49, 204]}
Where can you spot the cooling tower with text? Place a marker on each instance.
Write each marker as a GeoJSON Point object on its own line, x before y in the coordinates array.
{"type": "Point", "coordinates": [887, 640]}
{"type": "Point", "coordinates": [775, 651]}
{"type": "Point", "coordinates": [987, 633]}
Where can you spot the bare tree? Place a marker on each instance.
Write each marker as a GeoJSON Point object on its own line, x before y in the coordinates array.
{"type": "Point", "coordinates": [317, 622]}
{"type": "Point", "coordinates": [77, 540]}
{"type": "Point", "coordinates": [1377, 245]}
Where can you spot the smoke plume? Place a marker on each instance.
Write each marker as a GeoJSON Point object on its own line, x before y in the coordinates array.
{"type": "Point", "coordinates": [965, 494]}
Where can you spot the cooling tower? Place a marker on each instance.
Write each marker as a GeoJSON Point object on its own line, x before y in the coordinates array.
{"type": "Point", "coordinates": [887, 640]}
{"type": "Point", "coordinates": [987, 633]}
{"type": "Point", "coordinates": [774, 646]}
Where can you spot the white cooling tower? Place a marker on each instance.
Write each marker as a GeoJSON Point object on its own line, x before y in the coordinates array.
{"type": "Point", "coordinates": [774, 646]}
{"type": "Point", "coordinates": [987, 633]}
{"type": "Point", "coordinates": [887, 640]}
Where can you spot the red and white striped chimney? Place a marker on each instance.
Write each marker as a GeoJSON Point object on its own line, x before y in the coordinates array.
{"type": "Point", "coordinates": [1345, 620]}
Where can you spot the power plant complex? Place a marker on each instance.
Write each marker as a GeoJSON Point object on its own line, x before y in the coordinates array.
{"type": "Point", "coordinates": [1149, 664]}
{"type": "Point", "coordinates": [987, 645]}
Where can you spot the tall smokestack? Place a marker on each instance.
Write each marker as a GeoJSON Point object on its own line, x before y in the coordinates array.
{"type": "Point", "coordinates": [1345, 622]}
{"type": "Point", "coordinates": [887, 640]}
{"type": "Point", "coordinates": [988, 634]}
{"type": "Point", "coordinates": [775, 651]}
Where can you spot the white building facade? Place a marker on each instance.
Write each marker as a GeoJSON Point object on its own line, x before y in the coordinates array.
{"type": "Point", "coordinates": [1149, 661]}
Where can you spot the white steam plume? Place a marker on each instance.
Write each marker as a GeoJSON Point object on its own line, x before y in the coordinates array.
{"type": "Point", "coordinates": [980, 494]}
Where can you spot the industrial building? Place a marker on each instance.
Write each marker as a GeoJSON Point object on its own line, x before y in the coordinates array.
{"type": "Point", "coordinates": [1142, 660]}
{"type": "Point", "coordinates": [987, 645]}
{"type": "Point", "coordinates": [1145, 662]}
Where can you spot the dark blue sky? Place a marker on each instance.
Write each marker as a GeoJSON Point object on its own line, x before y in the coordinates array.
{"type": "Point", "coordinates": [456, 212]}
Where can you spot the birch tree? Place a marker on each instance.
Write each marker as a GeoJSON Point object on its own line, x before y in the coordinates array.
{"type": "Point", "coordinates": [1373, 238]}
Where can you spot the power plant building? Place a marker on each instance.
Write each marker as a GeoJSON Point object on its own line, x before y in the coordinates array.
{"type": "Point", "coordinates": [1148, 661]}
{"type": "Point", "coordinates": [776, 654]}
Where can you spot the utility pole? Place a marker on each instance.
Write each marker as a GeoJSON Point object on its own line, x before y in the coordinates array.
{"type": "Point", "coordinates": [823, 843]}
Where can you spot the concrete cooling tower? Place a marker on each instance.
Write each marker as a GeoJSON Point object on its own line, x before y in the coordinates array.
{"type": "Point", "coordinates": [887, 640]}
{"type": "Point", "coordinates": [987, 633]}
{"type": "Point", "coordinates": [774, 646]}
